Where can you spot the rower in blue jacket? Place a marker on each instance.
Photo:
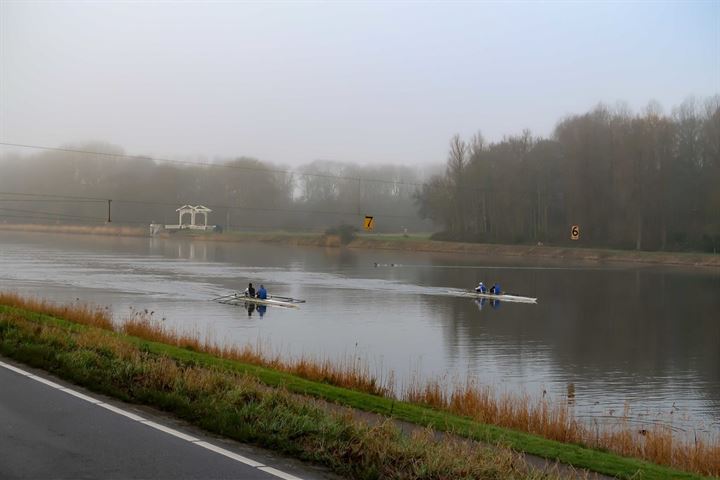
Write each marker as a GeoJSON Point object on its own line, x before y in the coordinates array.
{"type": "Point", "coordinates": [495, 289]}
{"type": "Point", "coordinates": [262, 293]}
{"type": "Point", "coordinates": [481, 288]}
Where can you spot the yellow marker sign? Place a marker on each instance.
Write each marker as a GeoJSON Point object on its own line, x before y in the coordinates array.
{"type": "Point", "coordinates": [369, 223]}
{"type": "Point", "coordinates": [575, 232]}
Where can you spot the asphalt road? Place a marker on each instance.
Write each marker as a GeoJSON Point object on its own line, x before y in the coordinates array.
{"type": "Point", "coordinates": [48, 433]}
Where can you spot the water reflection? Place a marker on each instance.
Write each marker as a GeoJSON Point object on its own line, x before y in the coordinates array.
{"type": "Point", "coordinates": [251, 308]}
{"type": "Point", "coordinates": [481, 302]}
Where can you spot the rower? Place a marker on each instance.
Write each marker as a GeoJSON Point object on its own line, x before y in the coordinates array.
{"type": "Point", "coordinates": [481, 288]}
{"type": "Point", "coordinates": [250, 291]}
{"type": "Point", "coordinates": [262, 293]}
{"type": "Point", "coordinates": [495, 289]}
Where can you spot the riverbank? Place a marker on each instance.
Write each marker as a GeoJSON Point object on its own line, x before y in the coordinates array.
{"type": "Point", "coordinates": [543, 252]}
{"type": "Point", "coordinates": [106, 229]}
{"type": "Point", "coordinates": [412, 243]}
{"type": "Point", "coordinates": [88, 352]}
{"type": "Point", "coordinates": [425, 245]}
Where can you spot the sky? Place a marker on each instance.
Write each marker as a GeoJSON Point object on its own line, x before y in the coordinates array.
{"type": "Point", "coordinates": [367, 82]}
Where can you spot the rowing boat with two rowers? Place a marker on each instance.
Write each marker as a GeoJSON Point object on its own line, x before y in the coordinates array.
{"type": "Point", "coordinates": [261, 297]}
{"type": "Point", "coordinates": [494, 293]}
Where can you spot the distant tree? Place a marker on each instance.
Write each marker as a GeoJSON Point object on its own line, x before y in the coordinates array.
{"type": "Point", "coordinates": [456, 166]}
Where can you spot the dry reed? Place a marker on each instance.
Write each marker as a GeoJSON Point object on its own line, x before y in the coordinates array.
{"type": "Point", "coordinates": [349, 371]}
{"type": "Point", "coordinates": [75, 312]}
{"type": "Point", "coordinates": [552, 420]}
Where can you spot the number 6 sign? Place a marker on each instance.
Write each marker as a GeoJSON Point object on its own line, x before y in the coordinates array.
{"type": "Point", "coordinates": [575, 232]}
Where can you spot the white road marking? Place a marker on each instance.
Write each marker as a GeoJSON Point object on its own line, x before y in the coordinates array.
{"type": "Point", "coordinates": [229, 454]}
{"type": "Point", "coordinates": [157, 426]}
{"type": "Point", "coordinates": [46, 382]}
{"type": "Point", "coordinates": [80, 396]}
{"type": "Point", "coordinates": [122, 412]}
{"type": "Point", "coordinates": [278, 473]}
{"type": "Point", "coordinates": [170, 431]}
{"type": "Point", "coordinates": [16, 370]}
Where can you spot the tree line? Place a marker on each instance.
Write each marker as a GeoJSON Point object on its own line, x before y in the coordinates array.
{"type": "Point", "coordinates": [244, 193]}
{"type": "Point", "coordinates": [646, 181]}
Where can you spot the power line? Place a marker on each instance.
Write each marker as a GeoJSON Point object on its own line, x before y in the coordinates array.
{"type": "Point", "coordinates": [79, 199]}
{"type": "Point", "coordinates": [55, 214]}
{"type": "Point", "coordinates": [2, 215]}
{"type": "Point", "coordinates": [51, 195]}
{"type": "Point", "coordinates": [216, 165]}
{"type": "Point", "coordinates": [25, 217]}
{"type": "Point", "coordinates": [116, 201]}
{"type": "Point", "coordinates": [270, 209]}
{"type": "Point", "coordinates": [51, 200]}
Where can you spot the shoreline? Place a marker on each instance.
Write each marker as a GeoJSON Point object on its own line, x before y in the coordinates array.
{"type": "Point", "coordinates": [399, 243]}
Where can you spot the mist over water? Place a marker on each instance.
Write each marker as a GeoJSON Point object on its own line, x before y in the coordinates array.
{"type": "Point", "coordinates": [610, 333]}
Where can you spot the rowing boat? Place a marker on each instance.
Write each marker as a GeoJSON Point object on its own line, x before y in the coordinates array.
{"type": "Point", "coordinates": [503, 296]}
{"type": "Point", "coordinates": [242, 300]}
{"type": "Point", "coordinates": [237, 300]}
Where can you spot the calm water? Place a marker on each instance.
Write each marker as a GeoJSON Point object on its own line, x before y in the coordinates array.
{"type": "Point", "coordinates": [649, 336]}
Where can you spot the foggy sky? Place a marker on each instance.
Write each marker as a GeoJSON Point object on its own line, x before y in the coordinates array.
{"type": "Point", "coordinates": [362, 82]}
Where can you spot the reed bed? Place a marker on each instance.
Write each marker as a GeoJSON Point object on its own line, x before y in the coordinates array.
{"type": "Point", "coordinates": [348, 371]}
{"type": "Point", "coordinates": [77, 312]}
{"type": "Point", "coordinates": [544, 416]}
{"type": "Point", "coordinates": [555, 420]}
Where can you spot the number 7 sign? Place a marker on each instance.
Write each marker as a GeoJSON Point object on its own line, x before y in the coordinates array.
{"type": "Point", "coordinates": [369, 223]}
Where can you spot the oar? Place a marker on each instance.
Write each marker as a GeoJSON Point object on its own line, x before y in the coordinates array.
{"type": "Point", "coordinates": [287, 299]}
{"type": "Point", "coordinates": [224, 296]}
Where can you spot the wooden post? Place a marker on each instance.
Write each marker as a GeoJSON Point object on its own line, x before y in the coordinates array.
{"type": "Point", "coordinates": [109, 220]}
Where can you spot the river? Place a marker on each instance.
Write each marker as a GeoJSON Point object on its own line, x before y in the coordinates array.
{"type": "Point", "coordinates": [646, 337]}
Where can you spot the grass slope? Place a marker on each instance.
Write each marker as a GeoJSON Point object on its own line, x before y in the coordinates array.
{"type": "Point", "coordinates": [240, 407]}
{"type": "Point", "coordinates": [575, 455]}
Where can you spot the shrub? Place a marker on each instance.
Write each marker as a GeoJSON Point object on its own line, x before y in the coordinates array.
{"type": "Point", "coordinates": [347, 233]}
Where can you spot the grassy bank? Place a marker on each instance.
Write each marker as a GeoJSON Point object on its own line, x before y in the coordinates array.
{"type": "Point", "coordinates": [246, 363]}
{"type": "Point", "coordinates": [237, 404]}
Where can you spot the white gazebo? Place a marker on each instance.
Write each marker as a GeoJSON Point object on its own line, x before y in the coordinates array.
{"type": "Point", "coordinates": [192, 211]}
{"type": "Point", "coordinates": [204, 210]}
